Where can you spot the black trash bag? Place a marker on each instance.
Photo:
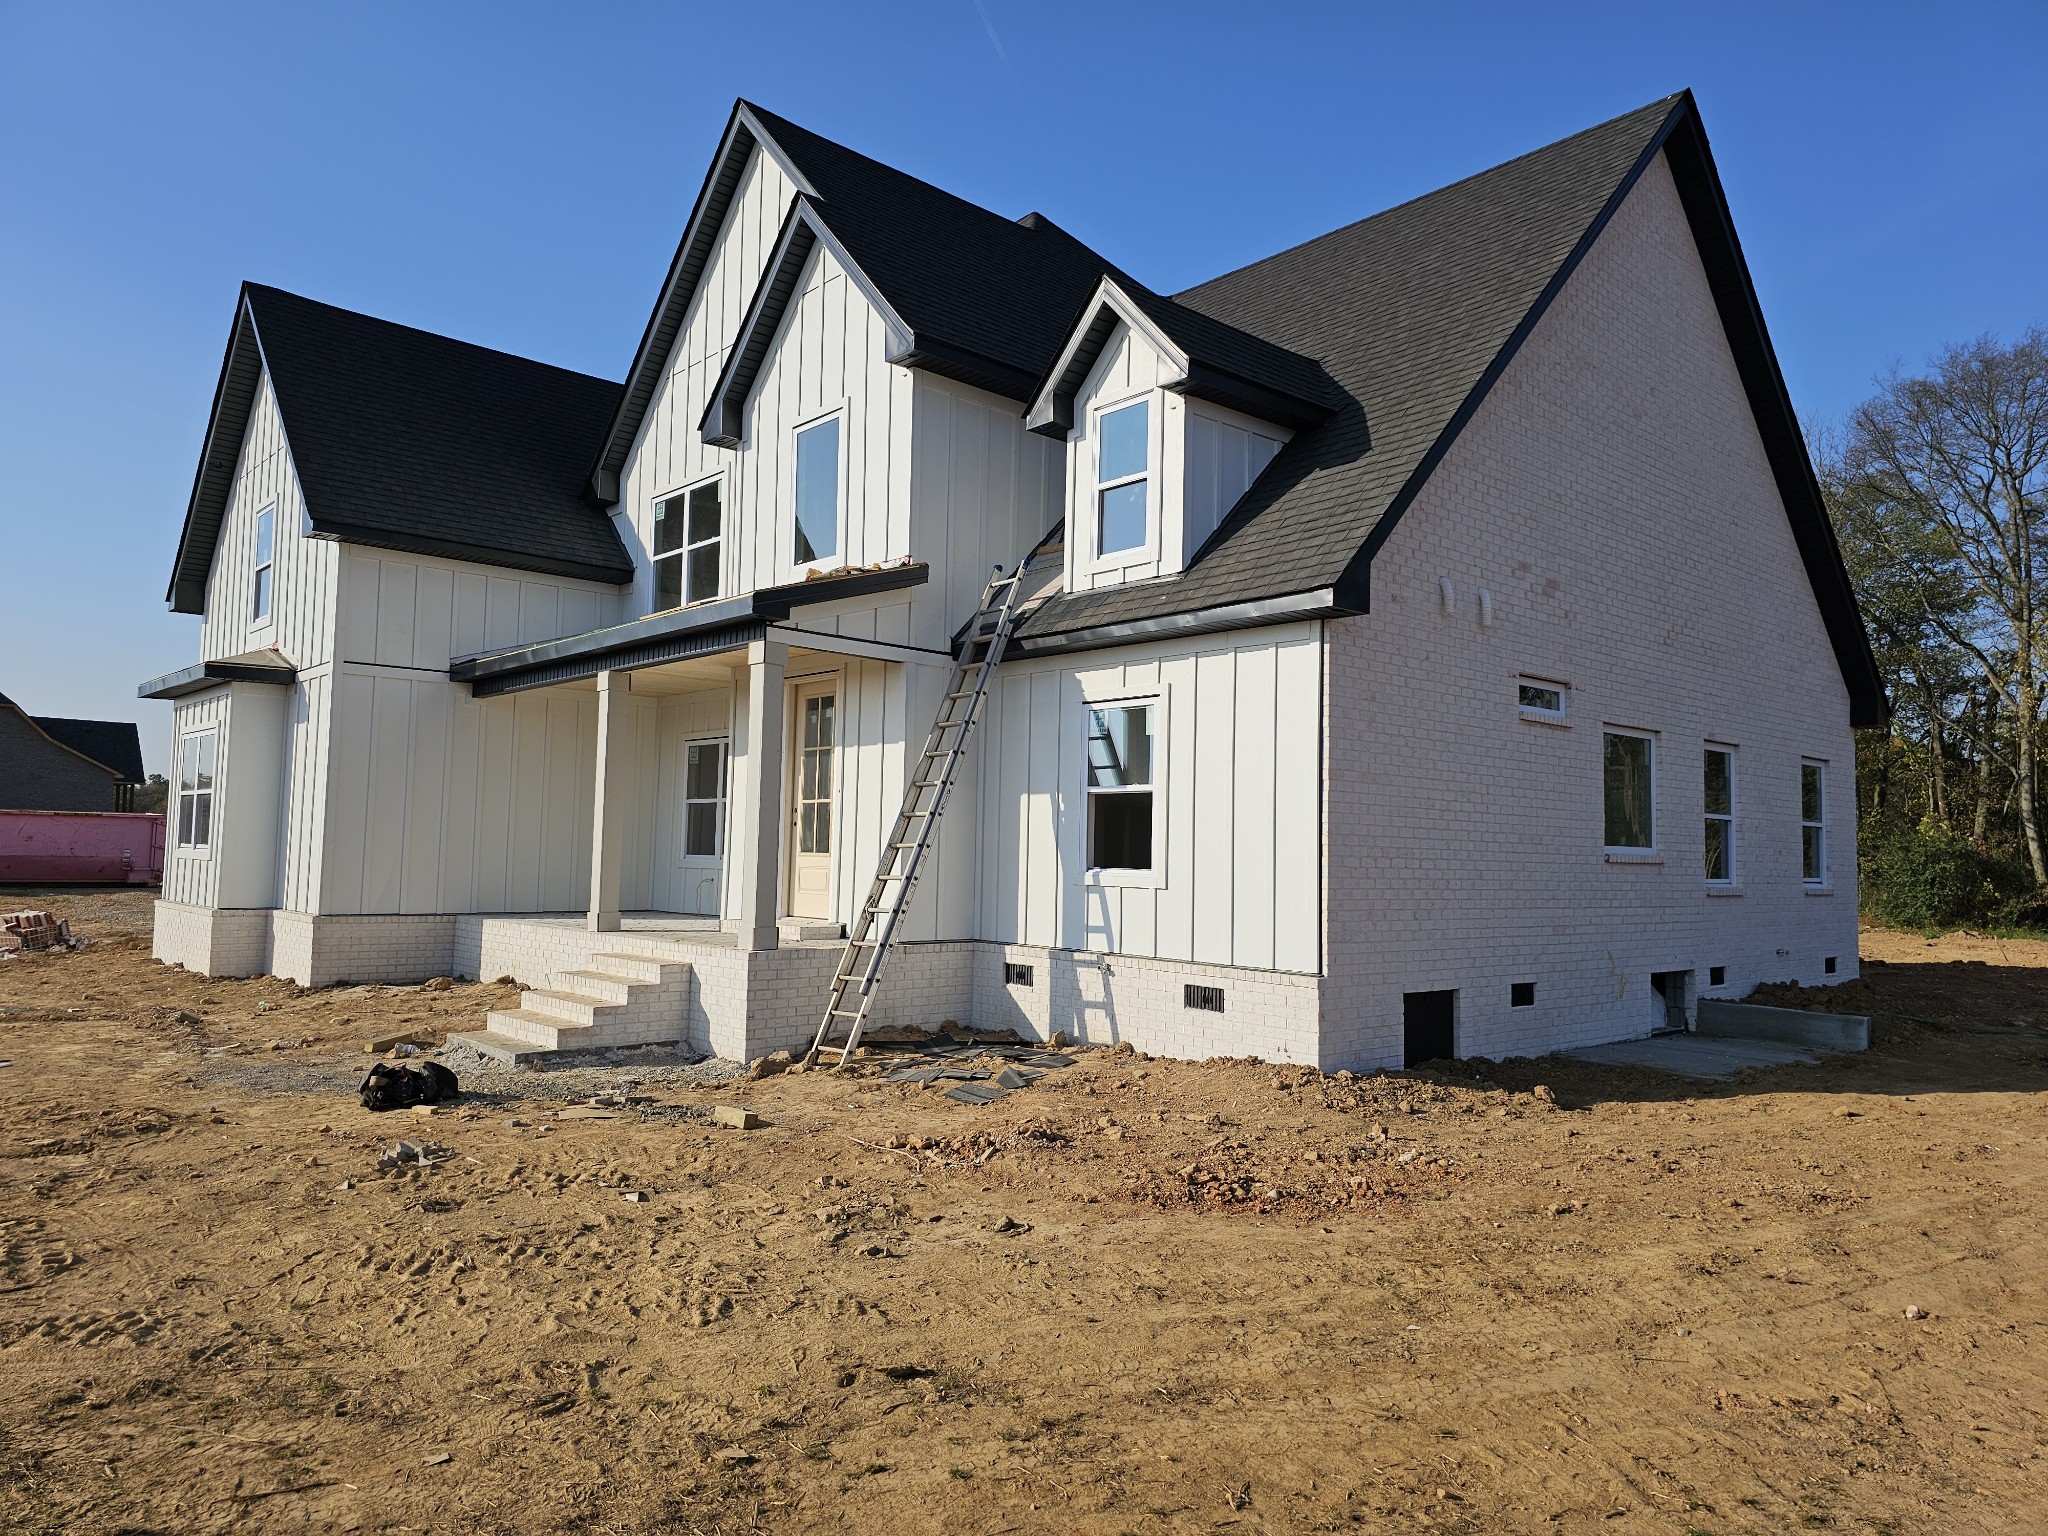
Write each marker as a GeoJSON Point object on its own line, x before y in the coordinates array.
{"type": "Point", "coordinates": [390, 1086]}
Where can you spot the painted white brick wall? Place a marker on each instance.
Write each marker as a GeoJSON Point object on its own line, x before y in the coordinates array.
{"type": "Point", "coordinates": [1613, 496]}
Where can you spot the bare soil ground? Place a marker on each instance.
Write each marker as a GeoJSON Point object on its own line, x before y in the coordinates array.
{"type": "Point", "coordinates": [1138, 1296]}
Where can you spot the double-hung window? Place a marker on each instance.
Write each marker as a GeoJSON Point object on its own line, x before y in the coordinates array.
{"type": "Point", "coordinates": [266, 536]}
{"type": "Point", "coordinates": [195, 789]}
{"type": "Point", "coordinates": [1813, 829]}
{"type": "Point", "coordinates": [1123, 459]}
{"type": "Point", "coordinates": [687, 532]}
{"type": "Point", "coordinates": [1629, 791]}
{"type": "Point", "coordinates": [1720, 816]}
{"type": "Point", "coordinates": [1120, 786]}
{"type": "Point", "coordinates": [817, 493]}
{"type": "Point", "coordinates": [704, 799]}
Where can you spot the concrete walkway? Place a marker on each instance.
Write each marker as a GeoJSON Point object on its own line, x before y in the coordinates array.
{"type": "Point", "coordinates": [1709, 1058]}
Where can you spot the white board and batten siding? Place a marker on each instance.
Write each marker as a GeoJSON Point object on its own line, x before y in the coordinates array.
{"type": "Point", "coordinates": [442, 802]}
{"type": "Point", "coordinates": [301, 620]}
{"type": "Point", "coordinates": [1238, 775]}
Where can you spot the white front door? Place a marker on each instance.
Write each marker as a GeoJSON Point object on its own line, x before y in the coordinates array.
{"type": "Point", "coordinates": [810, 798]}
{"type": "Point", "coordinates": [702, 859]}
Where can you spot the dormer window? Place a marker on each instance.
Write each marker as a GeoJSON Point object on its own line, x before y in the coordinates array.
{"type": "Point", "coordinates": [1122, 468]}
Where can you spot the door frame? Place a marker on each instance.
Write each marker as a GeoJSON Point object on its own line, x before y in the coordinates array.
{"type": "Point", "coordinates": [691, 867]}
{"type": "Point", "coordinates": [827, 685]}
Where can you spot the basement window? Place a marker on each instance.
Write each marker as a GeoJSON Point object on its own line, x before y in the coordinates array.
{"type": "Point", "coordinates": [1203, 999]}
{"type": "Point", "coordinates": [1120, 788]}
{"type": "Point", "coordinates": [687, 531]}
{"type": "Point", "coordinates": [1522, 994]}
{"type": "Point", "coordinates": [1717, 975]}
{"type": "Point", "coordinates": [1015, 975]}
{"type": "Point", "coordinates": [1541, 701]}
{"type": "Point", "coordinates": [1828, 965]}
{"type": "Point", "coordinates": [195, 789]}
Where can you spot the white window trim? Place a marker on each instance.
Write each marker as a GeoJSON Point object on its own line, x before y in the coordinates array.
{"type": "Point", "coordinates": [1139, 879]}
{"type": "Point", "coordinates": [1733, 881]}
{"type": "Point", "coordinates": [178, 792]}
{"type": "Point", "coordinates": [1147, 551]}
{"type": "Point", "coordinates": [798, 569]}
{"type": "Point", "coordinates": [262, 620]}
{"type": "Point", "coordinates": [1820, 882]}
{"type": "Point", "coordinates": [723, 802]}
{"type": "Point", "coordinates": [1653, 854]}
{"type": "Point", "coordinates": [682, 553]}
{"type": "Point", "coordinates": [1561, 716]}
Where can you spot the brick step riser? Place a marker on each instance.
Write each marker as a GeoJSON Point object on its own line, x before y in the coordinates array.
{"type": "Point", "coordinates": [551, 1036]}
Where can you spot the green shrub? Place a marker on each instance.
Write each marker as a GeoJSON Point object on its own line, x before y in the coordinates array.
{"type": "Point", "coordinates": [1932, 877]}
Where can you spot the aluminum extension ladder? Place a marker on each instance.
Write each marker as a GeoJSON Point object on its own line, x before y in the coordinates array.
{"type": "Point", "coordinates": [855, 981]}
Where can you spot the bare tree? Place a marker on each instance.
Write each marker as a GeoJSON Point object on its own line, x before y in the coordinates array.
{"type": "Point", "coordinates": [1941, 489]}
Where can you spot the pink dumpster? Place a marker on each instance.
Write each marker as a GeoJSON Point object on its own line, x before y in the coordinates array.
{"type": "Point", "coordinates": [81, 847]}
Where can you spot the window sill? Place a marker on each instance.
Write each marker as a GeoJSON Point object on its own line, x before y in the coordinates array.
{"type": "Point", "coordinates": [1544, 717]}
{"type": "Point", "coordinates": [1634, 856]}
{"type": "Point", "coordinates": [1819, 890]}
{"type": "Point", "coordinates": [1138, 879]}
{"type": "Point", "coordinates": [1724, 890]}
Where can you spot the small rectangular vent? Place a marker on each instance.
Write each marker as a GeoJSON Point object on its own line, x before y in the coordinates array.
{"type": "Point", "coordinates": [1522, 994]}
{"type": "Point", "coordinates": [1208, 999]}
{"type": "Point", "coordinates": [1015, 975]}
{"type": "Point", "coordinates": [1717, 975]}
{"type": "Point", "coordinates": [1828, 965]}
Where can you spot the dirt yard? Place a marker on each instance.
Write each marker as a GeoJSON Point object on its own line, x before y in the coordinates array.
{"type": "Point", "coordinates": [1137, 1296]}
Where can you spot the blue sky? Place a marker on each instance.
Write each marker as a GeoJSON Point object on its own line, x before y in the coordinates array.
{"type": "Point", "coordinates": [518, 176]}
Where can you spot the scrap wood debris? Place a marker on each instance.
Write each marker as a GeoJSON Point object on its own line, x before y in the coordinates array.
{"type": "Point", "coordinates": [1022, 1066]}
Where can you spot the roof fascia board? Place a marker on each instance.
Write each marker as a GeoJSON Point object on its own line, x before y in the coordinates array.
{"type": "Point", "coordinates": [771, 604]}
{"type": "Point", "coordinates": [469, 554]}
{"type": "Point", "coordinates": [743, 132]}
{"type": "Point", "coordinates": [1320, 603]}
{"type": "Point", "coordinates": [1052, 406]}
{"type": "Point", "coordinates": [234, 398]}
{"type": "Point", "coordinates": [1742, 320]}
{"type": "Point", "coordinates": [1476, 396]}
{"type": "Point", "coordinates": [201, 676]}
{"type": "Point", "coordinates": [804, 231]}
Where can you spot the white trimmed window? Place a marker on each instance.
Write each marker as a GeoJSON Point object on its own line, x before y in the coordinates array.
{"type": "Point", "coordinates": [1123, 460]}
{"type": "Point", "coordinates": [688, 529]}
{"type": "Point", "coordinates": [1121, 769]}
{"type": "Point", "coordinates": [1813, 828]}
{"type": "Point", "coordinates": [1720, 816]}
{"type": "Point", "coordinates": [704, 800]}
{"type": "Point", "coordinates": [195, 789]}
{"type": "Point", "coordinates": [266, 539]}
{"type": "Point", "coordinates": [1541, 700]}
{"type": "Point", "coordinates": [817, 493]}
{"type": "Point", "coordinates": [1629, 790]}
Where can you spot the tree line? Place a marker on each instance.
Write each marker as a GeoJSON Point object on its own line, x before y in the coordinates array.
{"type": "Point", "coordinates": [1938, 489]}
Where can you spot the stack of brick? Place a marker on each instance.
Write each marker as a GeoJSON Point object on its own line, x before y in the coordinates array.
{"type": "Point", "coordinates": [33, 930]}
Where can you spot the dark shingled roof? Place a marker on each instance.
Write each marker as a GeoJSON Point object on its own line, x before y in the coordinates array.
{"type": "Point", "coordinates": [1415, 313]}
{"type": "Point", "coordinates": [410, 441]}
{"type": "Point", "coordinates": [962, 278]}
{"type": "Point", "coordinates": [1406, 311]}
{"type": "Point", "coordinates": [115, 744]}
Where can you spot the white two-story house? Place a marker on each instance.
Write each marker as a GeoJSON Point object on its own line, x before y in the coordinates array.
{"type": "Point", "coordinates": [1436, 645]}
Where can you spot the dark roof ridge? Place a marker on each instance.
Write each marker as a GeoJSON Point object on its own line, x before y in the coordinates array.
{"type": "Point", "coordinates": [1408, 202]}
{"type": "Point", "coordinates": [250, 286]}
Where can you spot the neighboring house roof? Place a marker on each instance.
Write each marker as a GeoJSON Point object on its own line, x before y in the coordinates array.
{"type": "Point", "coordinates": [976, 296]}
{"type": "Point", "coordinates": [115, 744]}
{"type": "Point", "coordinates": [1415, 313]}
{"type": "Point", "coordinates": [406, 440]}
{"type": "Point", "coordinates": [42, 728]}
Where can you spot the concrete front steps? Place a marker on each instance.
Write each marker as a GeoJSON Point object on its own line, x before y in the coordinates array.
{"type": "Point", "coordinates": [634, 992]}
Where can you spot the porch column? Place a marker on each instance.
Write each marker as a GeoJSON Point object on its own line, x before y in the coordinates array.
{"type": "Point", "coordinates": [760, 871]}
{"type": "Point", "coordinates": [609, 803]}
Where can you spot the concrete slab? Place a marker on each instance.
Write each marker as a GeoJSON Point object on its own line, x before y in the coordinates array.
{"type": "Point", "coordinates": [1708, 1058]}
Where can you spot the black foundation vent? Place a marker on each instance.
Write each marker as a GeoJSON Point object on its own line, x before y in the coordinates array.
{"type": "Point", "coordinates": [1207, 999]}
{"type": "Point", "coordinates": [1015, 975]}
